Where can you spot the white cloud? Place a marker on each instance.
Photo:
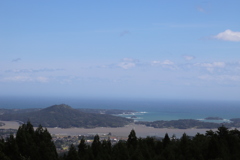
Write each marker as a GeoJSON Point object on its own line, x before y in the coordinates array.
{"type": "Point", "coordinates": [18, 79]}
{"type": "Point", "coordinates": [126, 65]}
{"type": "Point", "coordinates": [25, 79]}
{"type": "Point", "coordinates": [164, 64]}
{"type": "Point", "coordinates": [167, 62]}
{"type": "Point", "coordinates": [211, 66]}
{"type": "Point", "coordinates": [201, 9]}
{"type": "Point", "coordinates": [156, 62]}
{"type": "Point", "coordinates": [42, 79]}
{"type": "Point", "coordinates": [228, 35]}
{"type": "Point", "coordinates": [188, 57]}
{"type": "Point", "coordinates": [33, 70]}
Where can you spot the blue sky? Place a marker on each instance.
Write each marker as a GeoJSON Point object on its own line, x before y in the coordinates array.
{"type": "Point", "coordinates": [120, 49]}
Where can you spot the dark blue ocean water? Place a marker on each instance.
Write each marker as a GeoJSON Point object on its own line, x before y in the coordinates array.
{"type": "Point", "coordinates": [148, 110]}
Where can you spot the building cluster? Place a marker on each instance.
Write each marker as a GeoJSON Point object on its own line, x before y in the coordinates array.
{"type": "Point", "coordinates": [63, 142]}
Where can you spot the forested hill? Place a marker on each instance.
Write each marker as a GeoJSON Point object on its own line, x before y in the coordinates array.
{"type": "Point", "coordinates": [65, 117]}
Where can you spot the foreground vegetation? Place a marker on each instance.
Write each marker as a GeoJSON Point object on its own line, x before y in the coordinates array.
{"type": "Point", "coordinates": [30, 144]}
{"type": "Point", "coordinates": [223, 144]}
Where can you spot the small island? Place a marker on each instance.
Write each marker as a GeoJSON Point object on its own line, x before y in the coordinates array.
{"type": "Point", "coordinates": [134, 117]}
{"type": "Point", "coordinates": [213, 118]}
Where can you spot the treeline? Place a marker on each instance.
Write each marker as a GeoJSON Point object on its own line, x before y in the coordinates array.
{"type": "Point", "coordinates": [223, 144]}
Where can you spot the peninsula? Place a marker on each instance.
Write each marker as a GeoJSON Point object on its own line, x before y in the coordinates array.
{"type": "Point", "coordinates": [64, 116]}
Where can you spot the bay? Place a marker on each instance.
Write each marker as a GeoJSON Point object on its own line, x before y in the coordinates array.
{"type": "Point", "coordinates": [146, 110]}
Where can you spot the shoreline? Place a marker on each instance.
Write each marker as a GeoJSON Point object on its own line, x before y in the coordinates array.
{"type": "Point", "coordinates": [141, 130]}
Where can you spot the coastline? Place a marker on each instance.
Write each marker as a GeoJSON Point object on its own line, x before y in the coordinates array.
{"type": "Point", "coordinates": [141, 130]}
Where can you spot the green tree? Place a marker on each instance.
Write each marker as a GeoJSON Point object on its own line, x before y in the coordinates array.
{"type": "Point", "coordinates": [46, 147]}
{"type": "Point", "coordinates": [199, 146]}
{"type": "Point", "coordinates": [25, 141]}
{"type": "Point", "coordinates": [120, 151]}
{"type": "Point", "coordinates": [106, 149]}
{"type": "Point", "coordinates": [213, 150]}
{"type": "Point", "coordinates": [222, 132]}
{"type": "Point", "coordinates": [37, 145]}
{"type": "Point", "coordinates": [184, 146]}
{"type": "Point", "coordinates": [72, 153]}
{"type": "Point", "coordinates": [132, 139]}
{"type": "Point", "coordinates": [82, 148]}
{"type": "Point", "coordinates": [145, 148]}
{"type": "Point", "coordinates": [96, 146]}
{"type": "Point", "coordinates": [11, 148]}
{"type": "Point", "coordinates": [3, 156]}
{"type": "Point", "coordinates": [166, 140]}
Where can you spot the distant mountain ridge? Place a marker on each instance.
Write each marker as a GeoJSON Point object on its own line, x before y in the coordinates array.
{"type": "Point", "coordinates": [64, 116]}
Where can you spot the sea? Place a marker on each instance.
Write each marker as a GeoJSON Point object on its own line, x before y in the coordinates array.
{"type": "Point", "coordinates": [145, 109]}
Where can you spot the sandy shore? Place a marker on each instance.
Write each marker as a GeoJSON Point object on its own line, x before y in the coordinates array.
{"type": "Point", "coordinates": [141, 130]}
{"type": "Point", "coordinates": [10, 125]}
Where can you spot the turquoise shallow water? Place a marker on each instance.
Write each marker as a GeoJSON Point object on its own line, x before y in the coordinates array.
{"type": "Point", "coordinates": [147, 110]}
{"type": "Point", "coordinates": [189, 110]}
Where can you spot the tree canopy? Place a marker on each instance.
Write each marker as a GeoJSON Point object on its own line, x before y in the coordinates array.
{"type": "Point", "coordinates": [30, 144]}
